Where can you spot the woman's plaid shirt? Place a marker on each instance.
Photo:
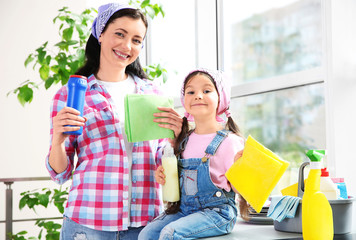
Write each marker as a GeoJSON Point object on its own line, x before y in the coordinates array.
{"type": "Point", "coordinates": [99, 195]}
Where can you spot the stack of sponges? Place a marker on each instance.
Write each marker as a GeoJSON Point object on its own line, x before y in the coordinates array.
{"type": "Point", "coordinates": [282, 207]}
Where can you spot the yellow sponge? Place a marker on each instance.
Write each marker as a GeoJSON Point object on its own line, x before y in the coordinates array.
{"type": "Point", "coordinates": [256, 173]}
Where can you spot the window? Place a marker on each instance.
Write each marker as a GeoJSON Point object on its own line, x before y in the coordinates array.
{"type": "Point", "coordinates": [286, 121]}
{"type": "Point", "coordinates": [273, 52]}
{"type": "Point", "coordinates": [172, 42]}
{"type": "Point", "coordinates": [262, 39]}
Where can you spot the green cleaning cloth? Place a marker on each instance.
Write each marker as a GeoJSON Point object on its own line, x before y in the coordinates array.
{"type": "Point", "coordinates": [139, 124]}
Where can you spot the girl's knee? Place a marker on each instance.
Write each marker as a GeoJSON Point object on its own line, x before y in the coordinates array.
{"type": "Point", "coordinates": [150, 232]}
{"type": "Point", "coordinates": [167, 233]}
{"type": "Point", "coordinates": [144, 234]}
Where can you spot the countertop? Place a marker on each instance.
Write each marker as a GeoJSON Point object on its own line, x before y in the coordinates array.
{"type": "Point", "coordinates": [263, 230]}
{"type": "Point", "coordinates": [251, 231]}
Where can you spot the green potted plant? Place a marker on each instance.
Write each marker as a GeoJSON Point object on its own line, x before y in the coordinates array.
{"type": "Point", "coordinates": [56, 63]}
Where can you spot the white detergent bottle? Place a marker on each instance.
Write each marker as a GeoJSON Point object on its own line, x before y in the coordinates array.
{"type": "Point", "coordinates": [170, 190]}
{"type": "Point", "coordinates": [327, 186]}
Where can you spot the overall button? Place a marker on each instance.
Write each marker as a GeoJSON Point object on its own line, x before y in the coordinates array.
{"type": "Point", "coordinates": [218, 194]}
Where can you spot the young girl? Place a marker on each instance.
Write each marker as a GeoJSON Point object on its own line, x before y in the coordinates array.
{"type": "Point", "coordinates": [207, 205]}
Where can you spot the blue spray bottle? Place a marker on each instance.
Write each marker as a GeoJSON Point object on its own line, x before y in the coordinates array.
{"type": "Point", "coordinates": [77, 86]}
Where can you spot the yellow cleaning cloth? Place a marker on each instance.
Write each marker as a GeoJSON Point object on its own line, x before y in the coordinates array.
{"type": "Point", "coordinates": [256, 173]}
{"type": "Point", "coordinates": [291, 190]}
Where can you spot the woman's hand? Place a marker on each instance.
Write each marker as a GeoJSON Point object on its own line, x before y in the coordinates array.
{"type": "Point", "coordinates": [159, 175]}
{"type": "Point", "coordinates": [169, 119]}
{"type": "Point", "coordinates": [66, 116]}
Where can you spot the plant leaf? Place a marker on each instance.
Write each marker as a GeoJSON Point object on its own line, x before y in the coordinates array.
{"type": "Point", "coordinates": [29, 59]}
{"type": "Point", "coordinates": [164, 77]}
{"type": "Point", "coordinates": [41, 53]}
{"type": "Point", "coordinates": [145, 3]}
{"type": "Point", "coordinates": [57, 226]}
{"type": "Point", "coordinates": [22, 202]}
{"type": "Point", "coordinates": [44, 72]}
{"type": "Point", "coordinates": [150, 12]}
{"type": "Point", "coordinates": [49, 82]}
{"type": "Point", "coordinates": [162, 12]}
{"type": "Point", "coordinates": [67, 33]}
{"type": "Point", "coordinates": [25, 94]}
{"type": "Point", "coordinates": [48, 59]}
{"type": "Point", "coordinates": [43, 199]}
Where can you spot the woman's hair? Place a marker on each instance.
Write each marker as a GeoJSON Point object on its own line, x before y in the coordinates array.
{"type": "Point", "coordinates": [230, 125]}
{"type": "Point", "coordinates": [92, 49]}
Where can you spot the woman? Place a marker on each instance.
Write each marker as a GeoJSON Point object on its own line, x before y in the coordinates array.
{"type": "Point", "coordinates": [113, 193]}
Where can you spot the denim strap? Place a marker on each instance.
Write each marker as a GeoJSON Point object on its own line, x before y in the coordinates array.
{"type": "Point", "coordinates": [214, 145]}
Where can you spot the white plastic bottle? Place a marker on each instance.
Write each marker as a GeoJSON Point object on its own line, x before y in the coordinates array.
{"type": "Point", "coordinates": [327, 186]}
{"type": "Point", "coordinates": [170, 190]}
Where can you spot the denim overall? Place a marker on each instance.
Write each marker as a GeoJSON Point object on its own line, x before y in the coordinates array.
{"type": "Point", "coordinates": [205, 210]}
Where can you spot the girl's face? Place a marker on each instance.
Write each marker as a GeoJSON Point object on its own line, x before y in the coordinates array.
{"type": "Point", "coordinates": [121, 42]}
{"type": "Point", "coordinates": [200, 97]}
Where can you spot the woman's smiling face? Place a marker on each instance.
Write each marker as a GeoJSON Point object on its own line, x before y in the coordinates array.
{"type": "Point", "coordinates": [121, 43]}
{"type": "Point", "coordinates": [200, 97]}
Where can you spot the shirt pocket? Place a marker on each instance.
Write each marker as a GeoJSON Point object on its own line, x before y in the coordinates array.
{"type": "Point", "coordinates": [190, 178]}
{"type": "Point", "coordinates": [100, 123]}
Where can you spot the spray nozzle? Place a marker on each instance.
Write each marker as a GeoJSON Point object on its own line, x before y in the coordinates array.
{"type": "Point", "coordinates": [315, 155]}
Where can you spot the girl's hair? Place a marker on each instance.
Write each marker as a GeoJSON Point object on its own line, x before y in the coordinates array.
{"type": "Point", "coordinates": [92, 49]}
{"type": "Point", "coordinates": [230, 125]}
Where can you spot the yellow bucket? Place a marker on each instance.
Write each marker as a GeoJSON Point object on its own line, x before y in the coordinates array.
{"type": "Point", "coordinates": [256, 173]}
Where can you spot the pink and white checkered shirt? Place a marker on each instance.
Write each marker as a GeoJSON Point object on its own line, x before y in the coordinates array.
{"type": "Point", "coordinates": [99, 195]}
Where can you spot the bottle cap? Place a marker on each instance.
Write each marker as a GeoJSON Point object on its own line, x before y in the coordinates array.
{"type": "Point", "coordinates": [315, 155]}
{"type": "Point", "coordinates": [78, 80]}
{"type": "Point", "coordinates": [324, 172]}
{"type": "Point", "coordinates": [78, 76]}
{"type": "Point", "coordinates": [168, 150]}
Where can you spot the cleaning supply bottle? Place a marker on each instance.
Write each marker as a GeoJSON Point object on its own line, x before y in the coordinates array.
{"type": "Point", "coordinates": [341, 187]}
{"type": "Point", "coordinates": [317, 216]}
{"type": "Point", "coordinates": [327, 186]}
{"type": "Point", "coordinates": [170, 190]}
{"type": "Point", "coordinates": [77, 86]}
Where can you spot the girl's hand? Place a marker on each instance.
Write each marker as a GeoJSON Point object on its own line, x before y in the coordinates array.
{"type": "Point", "coordinates": [238, 155]}
{"type": "Point", "coordinates": [66, 116]}
{"type": "Point", "coordinates": [159, 175]}
{"type": "Point", "coordinates": [169, 119]}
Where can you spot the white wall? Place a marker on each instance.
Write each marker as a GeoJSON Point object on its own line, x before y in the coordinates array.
{"type": "Point", "coordinates": [341, 84]}
{"type": "Point", "coordinates": [341, 90]}
{"type": "Point", "coordinates": [24, 131]}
